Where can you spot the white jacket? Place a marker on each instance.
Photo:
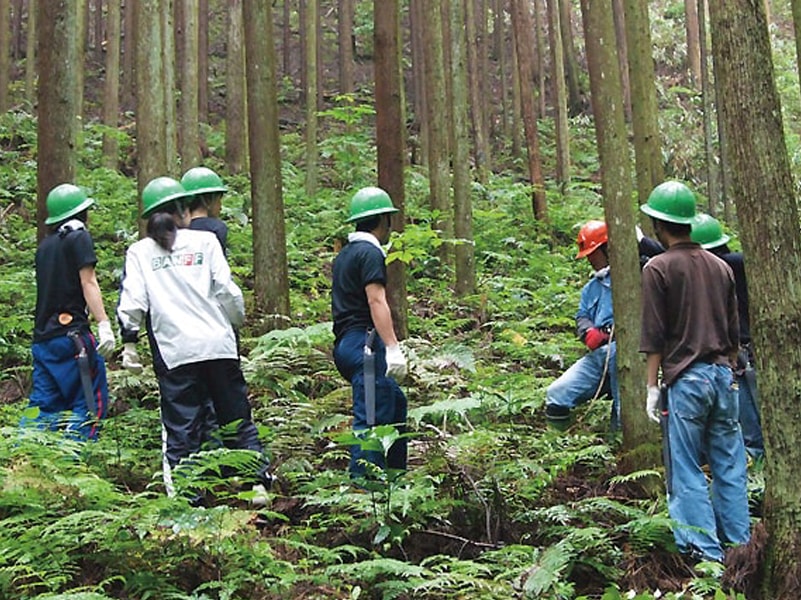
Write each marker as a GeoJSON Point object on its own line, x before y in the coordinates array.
{"type": "Point", "coordinates": [189, 293]}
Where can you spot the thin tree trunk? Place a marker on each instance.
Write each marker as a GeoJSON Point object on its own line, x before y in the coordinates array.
{"type": "Point", "coordinates": [203, 66]}
{"type": "Point", "coordinates": [80, 35]}
{"type": "Point", "coordinates": [389, 142]}
{"type": "Point", "coordinates": [418, 81]}
{"type": "Point", "coordinates": [345, 34]}
{"type": "Point", "coordinates": [17, 9]}
{"type": "Point", "coordinates": [693, 48]}
{"type": "Point", "coordinates": [572, 74]}
{"type": "Point", "coordinates": [168, 72]}
{"type": "Point", "coordinates": [302, 33]}
{"type": "Point", "coordinates": [539, 63]}
{"type": "Point", "coordinates": [480, 143]}
{"type": "Point", "coordinates": [270, 268]}
{"type": "Point", "coordinates": [235, 106]}
{"type": "Point", "coordinates": [97, 46]}
{"type": "Point", "coordinates": [57, 132]}
{"type": "Point", "coordinates": [750, 107]}
{"type": "Point", "coordinates": [30, 54]}
{"type": "Point", "coordinates": [128, 56]}
{"type": "Point", "coordinates": [613, 151]}
{"type": "Point", "coordinates": [644, 109]}
{"type": "Point", "coordinates": [189, 133]}
{"type": "Point", "coordinates": [111, 90]}
{"type": "Point", "coordinates": [559, 96]}
{"type": "Point", "coordinates": [286, 32]}
{"type": "Point", "coordinates": [5, 54]}
{"type": "Point", "coordinates": [462, 206]}
{"type": "Point", "coordinates": [623, 54]}
{"type": "Point", "coordinates": [521, 17]}
{"type": "Point", "coordinates": [311, 93]}
{"type": "Point", "coordinates": [503, 68]}
{"type": "Point", "coordinates": [517, 104]}
{"type": "Point", "coordinates": [712, 171]}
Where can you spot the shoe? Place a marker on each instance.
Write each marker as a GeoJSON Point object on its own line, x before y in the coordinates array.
{"type": "Point", "coordinates": [558, 417]}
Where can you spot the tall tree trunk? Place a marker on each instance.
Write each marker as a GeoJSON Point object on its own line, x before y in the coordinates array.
{"type": "Point", "coordinates": [693, 48]}
{"type": "Point", "coordinates": [189, 133]}
{"type": "Point", "coordinates": [203, 65]}
{"type": "Point", "coordinates": [437, 117]}
{"type": "Point", "coordinates": [712, 170]}
{"type": "Point", "coordinates": [286, 36]}
{"type": "Point", "coordinates": [17, 9]}
{"type": "Point", "coordinates": [768, 209]}
{"type": "Point", "coordinates": [480, 143]}
{"type": "Point", "coordinates": [418, 81]}
{"type": "Point", "coordinates": [613, 151]}
{"type": "Point", "coordinates": [302, 33]}
{"type": "Point", "coordinates": [80, 54]}
{"type": "Point", "coordinates": [521, 18]}
{"type": "Point", "coordinates": [539, 62]}
{"type": "Point", "coordinates": [97, 46]}
{"type": "Point", "coordinates": [111, 90]}
{"type": "Point", "coordinates": [5, 55]}
{"type": "Point", "coordinates": [57, 131]}
{"type": "Point", "coordinates": [644, 109]}
{"type": "Point", "coordinates": [30, 53]}
{"type": "Point", "coordinates": [389, 141]}
{"type": "Point", "coordinates": [345, 34]}
{"type": "Point", "coordinates": [128, 56]}
{"type": "Point", "coordinates": [559, 96]}
{"type": "Point", "coordinates": [270, 267]}
{"type": "Point", "coordinates": [623, 54]}
{"type": "Point", "coordinates": [572, 76]}
{"type": "Point", "coordinates": [235, 106]}
{"type": "Point", "coordinates": [462, 206]}
{"type": "Point", "coordinates": [168, 87]}
{"type": "Point", "coordinates": [311, 26]}
{"type": "Point", "coordinates": [517, 103]}
{"type": "Point", "coordinates": [503, 69]}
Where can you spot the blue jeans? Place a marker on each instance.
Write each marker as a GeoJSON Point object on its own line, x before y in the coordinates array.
{"type": "Point", "coordinates": [749, 413]}
{"type": "Point", "coordinates": [57, 391]}
{"type": "Point", "coordinates": [581, 381]}
{"type": "Point", "coordinates": [390, 402]}
{"type": "Point", "coordinates": [703, 424]}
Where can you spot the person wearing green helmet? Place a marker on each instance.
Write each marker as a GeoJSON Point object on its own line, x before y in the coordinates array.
{"type": "Point", "coordinates": [207, 189]}
{"type": "Point", "coordinates": [177, 282]}
{"type": "Point", "coordinates": [690, 331]}
{"type": "Point", "coordinates": [373, 364]}
{"type": "Point", "coordinates": [69, 373]}
{"type": "Point", "coordinates": [707, 231]}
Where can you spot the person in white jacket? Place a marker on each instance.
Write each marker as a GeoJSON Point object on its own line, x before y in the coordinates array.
{"type": "Point", "coordinates": [178, 282]}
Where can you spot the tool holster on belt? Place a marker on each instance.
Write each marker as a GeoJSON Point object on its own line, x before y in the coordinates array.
{"type": "Point", "coordinates": [82, 356]}
{"type": "Point", "coordinates": [369, 378]}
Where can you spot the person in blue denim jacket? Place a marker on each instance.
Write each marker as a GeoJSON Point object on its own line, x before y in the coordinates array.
{"type": "Point", "coordinates": [594, 374]}
{"type": "Point", "coordinates": [690, 332]}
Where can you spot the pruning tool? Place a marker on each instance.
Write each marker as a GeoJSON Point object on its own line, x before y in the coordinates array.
{"type": "Point", "coordinates": [663, 425]}
{"type": "Point", "coordinates": [369, 378]}
{"type": "Point", "coordinates": [82, 356]}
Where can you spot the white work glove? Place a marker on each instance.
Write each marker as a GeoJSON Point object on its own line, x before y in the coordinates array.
{"type": "Point", "coordinates": [130, 358]}
{"type": "Point", "coordinates": [396, 362]}
{"type": "Point", "coordinates": [652, 403]}
{"type": "Point", "coordinates": [106, 341]}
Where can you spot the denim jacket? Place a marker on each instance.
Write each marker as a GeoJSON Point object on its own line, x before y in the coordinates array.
{"type": "Point", "coordinates": [595, 306]}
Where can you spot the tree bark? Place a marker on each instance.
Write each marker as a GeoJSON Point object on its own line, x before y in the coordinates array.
{"type": "Point", "coordinates": [644, 109]}
{"type": "Point", "coordinates": [128, 55]}
{"type": "Point", "coordinates": [189, 133]}
{"type": "Point", "coordinates": [5, 54]}
{"type": "Point", "coordinates": [311, 26]}
{"type": "Point", "coordinates": [462, 206]}
{"type": "Point", "coordinates": [480, 143]}
{"type": "Point", "coordinates": [390, 142]}
{"type": "Point", "coordinates": [539, 62]}
{"type": "Point", "coordinates": [613, 151]}
{"type": "Point", "coordinates": [270, 268]}
{"type": "Point", "coordinates": [521, 18]}
{"type": "Point", "coordinates": [623, 54]}
{"type": "Point", "coordinates": [111, 90]}
{"type": "Point", "coordinates": [236, 131]}
{"type": "Point", "coordinates": [712, 170]}
{"type": "Point", "coordinates": [418, 83]}
{"type": "Point", "coordinates": [559, 91]}
{"type": "Point", "coordinates": [345, 34]}
{"type": "Point", "coordinates": [572, 76]}
{"type": "Point", "coordinates": [30, 53]}
{"type": "Point", "coordinates": [751, 115]}
{"type": "Point", "coordinates": [168, 87]}
{"type": "Point", "coordinates": [203, 66]}
{"type": "Point", "coordinates": [57, 131]}
{"type": "Point", "coordinates": [693, 48]}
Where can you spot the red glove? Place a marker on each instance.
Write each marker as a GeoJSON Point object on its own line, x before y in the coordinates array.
{"type": "Point", "coordinates": [595, 338]}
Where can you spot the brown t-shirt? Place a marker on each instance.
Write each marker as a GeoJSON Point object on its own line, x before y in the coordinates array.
{"type": "Point", "coordinates": [689, 309]}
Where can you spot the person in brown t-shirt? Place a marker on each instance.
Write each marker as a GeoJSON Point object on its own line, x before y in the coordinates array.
{"type": "Point", "coordinates": [690, 332]}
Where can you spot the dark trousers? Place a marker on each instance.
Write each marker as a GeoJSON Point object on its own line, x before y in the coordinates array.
{"type": "Point", "coordinates": [390, 402]}
{"type": "Point", "coordinates": [184, 391]}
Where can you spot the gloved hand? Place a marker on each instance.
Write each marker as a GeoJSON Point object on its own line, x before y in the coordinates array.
{"type": "Point", "coordinates": [595, 338]}
{"type": "Point", "coordinates": [396, 362]}
{"type": "Point", "coordinates": [130, 358]}
{"type": "Point", "coordinates": [652, 404]}
{"type": "Point", "coordinates": [106, 341]}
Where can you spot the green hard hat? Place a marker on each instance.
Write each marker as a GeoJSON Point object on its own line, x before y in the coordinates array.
{"type": "Point", "coordinates": [671, 201]}
{"type": "Point", "coordinates": [65, 201]}
{"type": "Point", "coordinates": [707, 231]}
{"type": "Point", "coordinates": [368, 202]}
{"type": "Point", "coordinates": [161, 191]}
{"type": "Point", "coordinates": [202, 180]}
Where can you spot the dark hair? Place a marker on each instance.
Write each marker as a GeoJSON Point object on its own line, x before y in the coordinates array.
{"type": "Point", "coordinates": [162, 229]}
{"type": "Point", "coordinates": [675, 229]}
{"type": "Point", "coordinates": [204, 200]}
{"type": "Point", "coordinates": [372, 222]}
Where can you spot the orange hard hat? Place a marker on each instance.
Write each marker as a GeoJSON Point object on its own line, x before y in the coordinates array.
{"type": "Point", "coordinates": [591, 236]}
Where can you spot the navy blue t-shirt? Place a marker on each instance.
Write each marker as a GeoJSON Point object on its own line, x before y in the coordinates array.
{"type": "Point", "coordinates": [737, 264]}
{"type": "Point", "coordinates": [359, 263]}
{"type": "Point", "coordinates": [60, 304]}
{"type": "Point", "coordinates": [216, 226]}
